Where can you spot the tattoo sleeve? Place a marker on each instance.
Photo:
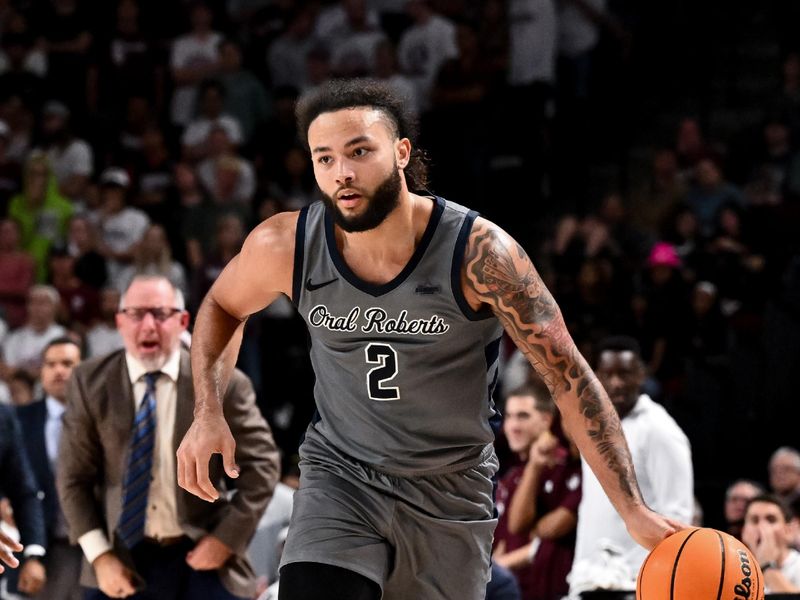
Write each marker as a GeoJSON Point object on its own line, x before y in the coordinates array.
{"type": "Point", "coordinates": [500, 274]}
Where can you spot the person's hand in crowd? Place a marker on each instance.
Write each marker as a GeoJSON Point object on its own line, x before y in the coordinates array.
{"type": "Point", "coordinates": [114, 579]}
{"type": "Point", "coordinates": [762, 543]}
{"type": "Point", "coordinates": [210, 553]}
{"type": "Point", "coordinates": [7, 546]}
{"type": "Point", "coordinates": [546, 451]}
{"type": "Point", "coordinates": [32, 576]}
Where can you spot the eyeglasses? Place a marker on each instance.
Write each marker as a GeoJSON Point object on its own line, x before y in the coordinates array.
{"type": "Point", "coordinates": [138, 313]}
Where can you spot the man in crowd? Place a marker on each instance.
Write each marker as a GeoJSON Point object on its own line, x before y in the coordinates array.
{"type": "Point", "coordinates": [126, 414]}
{"type": "Point", "coordinates": [768, 525]}
{"type": "Point", "coordinates": [737, 496]}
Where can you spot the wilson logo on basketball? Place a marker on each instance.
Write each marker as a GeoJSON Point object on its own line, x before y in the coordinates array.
{"type": "Point", "coordinates": [742, 589]}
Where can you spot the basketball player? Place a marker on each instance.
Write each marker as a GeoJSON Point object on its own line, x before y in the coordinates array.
{"type": "Point", "coordinates": [404, 296]}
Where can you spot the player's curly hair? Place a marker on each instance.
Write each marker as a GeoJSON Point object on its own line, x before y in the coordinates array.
{"type": "Point", "coordinates": [338, 94]}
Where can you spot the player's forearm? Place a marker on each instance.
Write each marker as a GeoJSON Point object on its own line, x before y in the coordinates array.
{"type": "Point", "coordinates": [591, 420]}
{"type": "Point", "coordinates": [216, 340]}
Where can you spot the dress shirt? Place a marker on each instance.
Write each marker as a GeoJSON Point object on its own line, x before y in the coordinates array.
{"type": "Point", "coordinates": [162, 512]}
{"type": "Point", "coordinates": [52, 429]}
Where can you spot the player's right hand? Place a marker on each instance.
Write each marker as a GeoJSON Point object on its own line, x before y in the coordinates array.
{"type": "Point", "coordinates": [113, 578]}
{"type": "Point", "coordinates": [7, 546]}
{"type": "Point", "coordinates": [209, 434]}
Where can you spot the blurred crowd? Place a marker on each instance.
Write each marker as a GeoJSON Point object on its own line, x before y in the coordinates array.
{"type": "Point", "coordinates": [147, 139]}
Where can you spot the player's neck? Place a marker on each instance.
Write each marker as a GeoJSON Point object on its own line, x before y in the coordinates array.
{"type": "Point", "coordinates": [397, 235]}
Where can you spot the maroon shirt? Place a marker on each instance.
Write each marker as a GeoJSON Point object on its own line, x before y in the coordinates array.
{"type": "Point", "coordinates": [559, 486]}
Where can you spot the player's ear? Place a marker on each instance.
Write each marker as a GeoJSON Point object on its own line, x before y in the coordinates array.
{"type": "Point", "coordinates": [402, 152]}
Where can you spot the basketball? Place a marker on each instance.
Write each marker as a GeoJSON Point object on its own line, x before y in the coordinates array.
{"type": "Point", "coordinates": [700, 564]}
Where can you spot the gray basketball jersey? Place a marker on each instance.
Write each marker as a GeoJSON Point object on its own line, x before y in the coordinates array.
{"type": "Point", "coordinates": [404, 370]}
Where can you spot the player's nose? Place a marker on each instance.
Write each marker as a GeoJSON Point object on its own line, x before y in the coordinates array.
{"type": "Point", "coordinates": [344, 172]}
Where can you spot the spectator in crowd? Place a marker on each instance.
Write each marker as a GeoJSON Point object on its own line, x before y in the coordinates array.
{"type": "Point", "coordinates": [128, 64]}
{"type": "Point", "coordinates": [286, 57]}
{"type": "Point", "coordinates": [153, 257]}
{"type": "Point", "coordinates": [784, 474]}
{"type": "Point", "coordinates": [343, 19]}
{"type": "Point", "coordinates": [502, 585]}
{"type": "Point", "coordinates": [229, 236]}
{"type": "Point", "coordinates": [23, 347]}
{"type": "Point", "coordinates": [658, 197]}
{"type": "Point", "coordinates": [66, 28]}
{"type": "Point", "coordinates": [353, 43]}
{"type": "Point", "coordinates": [17, 273]}
{"type": "Point", "coordinates": [103, 337]}
{"type": "Point", "coordinates": [194, 58]}
{"type": "Point", "coordinates": [246, 99]}
{"type": "Point", "coordinates": [605, 555]}
{"type": "Point", "coordinates": [82, 244]}
{"type": "Point", "coordinates": [41, 211]}
{"type": "Point", "coordinates": [10, 170]}
{"type": "Point", "coordinates": [20, 120]}
{"type": "Point", "coordinates": [768, 525]}
{"type": "Point", "coordinates": [71, 158]}
{"type": "Point", "coordinates": [690, 145]}
{"type": "Point", "coordinates": [80, 303]}
{"type": "Point", "coordinates": [710, 192]}
{"type": "Point", "coordinates": [195, 140]}
{"type": "Point", "coordinates": [16, 482]}
{"type": "Point", "coordinates": [21, 385]}
{"type": "Point", "coordinates": [23, 65]}
{"type": "Point", "coordinates": [545, 504]}
{"type": "Point", "coordinates": [40, 423]}
{"type": "Point", "coordinates": [296, 187]}
{"type": "Point", "coordinates": [228, 178]}
{"type": "Point", "coordinates": [121, 226]}
{"type": "Point", "coordinates": [427, 44]}
{"type": "Point", "coordinates": [153, 170]}
{"type": "Point", "coordinates": [161, 540]}
{"type": "Point", "coordinates": [737, 496]}
{"type": "Point", "coordinates": [386, 69]}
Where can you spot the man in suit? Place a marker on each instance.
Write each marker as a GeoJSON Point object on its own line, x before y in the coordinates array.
{"type": "Point", "coordinates": [126, 414]}
{"type": "Point", "coordinates": [41, 428]}
{"type": "Point", "coordinates": [16, 483]}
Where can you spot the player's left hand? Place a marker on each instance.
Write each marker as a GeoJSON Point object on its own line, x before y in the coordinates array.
{"type": "Point", "coordinates": [210, 553]}
{"type": "Point", "coordinates": [648, 528]}
{"type": "Point", "coordinates": [32, 577]}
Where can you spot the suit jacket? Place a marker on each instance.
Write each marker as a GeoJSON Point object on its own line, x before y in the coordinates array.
{"type": "Point", "coordinates": [32, 418]}
{"type": "Point", "coordinates": [93, 458]}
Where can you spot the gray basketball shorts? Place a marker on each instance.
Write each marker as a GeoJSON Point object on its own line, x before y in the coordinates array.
{"type": "Point", "coordinates": [420, 538]}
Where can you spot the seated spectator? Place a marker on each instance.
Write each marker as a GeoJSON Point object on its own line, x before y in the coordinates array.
{"type": "Point", "coordinates": [103, 336]}
{"type": "Point", "coordinates": [23, 63]}
{"type": "Point", "coordinates": [286, 57]}
{"type": "Point", "coordinates": [71, 158]}
{"type": "Point", "coordinates": [211, 100]}
{"type": "Point", "coordinates": [387, 70]}
{"type": "Point", "coordinates": [658, 197]}
{"type": "Point", "coordinates": [353, 41]}
{"type": "Point", "coordinates": [338, 21]}
{"type": "Point", "coordinates": [194, 58]}
{"type": "Point", "coordinates": [17, 273]}
{"type": "Point", "coordinates": [80, 303]}
{"type": "Point", "coordinates": [690, 145]}
{"type": "Point", "coordinates": [153, 257]}
{"type": "Point", "coordinates": [227, 178]}
{"type": "Point", "coordinates": [737, 497]}
{"type": "Point", "coordinates": [784, 474]}
{"type": "Point", "coordinates": [768, 526]}
{"type": "Point", "coordinates": [21, 122]}
{"type": "Point", "coordinates": [22, 386]}
{"type": "Point", "coordinates": [153, 170]}
{"type": "Point", "coordinates": [121, 227]}
{"type": "Point", "coordinates": [246, 98]}
{"type": "Point", "coordinates": [709, 192]}
{"type": "Point", "coordinates": [90, 266]}
{"type": "Point", "coordinates": [228, 239]}
{"type": "Point", "coordinates": [23, 347]}
{"type": "Point", "coordinates": [295, 186]}
{"type": "Point", "coordinates": [41, 210]}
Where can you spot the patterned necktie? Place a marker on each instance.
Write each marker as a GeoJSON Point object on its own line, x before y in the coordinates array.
{"type": "Point", "coordinates": [140, 464]}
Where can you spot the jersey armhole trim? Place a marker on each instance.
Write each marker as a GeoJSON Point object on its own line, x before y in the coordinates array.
{"type": "Point", "coordinates": [299, 256]}
{"type": "Point", "coordinates": [455, 271]}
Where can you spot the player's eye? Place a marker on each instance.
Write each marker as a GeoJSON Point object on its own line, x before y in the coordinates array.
{"type": "Point", "coordinates": [360, 152]}
{"type": "Point", "coordinates": [324, 160]}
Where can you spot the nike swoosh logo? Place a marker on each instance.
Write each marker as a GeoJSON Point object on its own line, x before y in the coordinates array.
{"type": "Point", "coordinates": [315, 286]}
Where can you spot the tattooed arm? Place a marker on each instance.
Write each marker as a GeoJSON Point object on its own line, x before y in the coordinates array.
{"type": "Point", "coordinates": [498, 273]}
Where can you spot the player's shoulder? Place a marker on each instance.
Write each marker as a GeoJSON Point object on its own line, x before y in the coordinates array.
{"type": "Point", "coordinates": [275, 235]}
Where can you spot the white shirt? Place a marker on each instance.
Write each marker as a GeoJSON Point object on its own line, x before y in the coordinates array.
{"type": "Point", "coordinates": [124, 229]}
{"type": "Point", "coordinates": [52, 429]}
{"type": "Point", "coordinates": [23, 347]}
{"type": "Point", "coordinates": [790, 568]}
{"type": "Point", "coordinates": [190, 51]}
{"type": "Point", "coordinates": [102, 339]}
{"type": "Point", "coordinates": [162, 513]}
{"type": "Point", "coordinates": [245, 182]}
{"type": "Point", "coordinates": [532, 41]}
{"type": "Point", "coordinates": [74, 159]}
{"type": "Point", "coordinates": [662, 460]}
{"type": "Point", "coordinates": [576, 32]}
{"type": "Point", "coordinates": [422, 51]}
{"type": "Point", "coordinates": [197, 131]}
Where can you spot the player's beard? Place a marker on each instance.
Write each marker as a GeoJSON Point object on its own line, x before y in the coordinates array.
{"type": "Point", "coordinates": [379, 205]}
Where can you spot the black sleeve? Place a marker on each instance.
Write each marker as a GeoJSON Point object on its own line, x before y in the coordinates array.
{"type": "Point", "coordinates": [17, 483]}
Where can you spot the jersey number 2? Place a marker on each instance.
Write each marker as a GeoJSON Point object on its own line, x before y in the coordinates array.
{"type": "Point", "coordinates": [385, 357]}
